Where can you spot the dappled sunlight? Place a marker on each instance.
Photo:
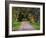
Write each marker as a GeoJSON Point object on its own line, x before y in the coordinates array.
{"type": "Point", "coordinates": [25, 19]}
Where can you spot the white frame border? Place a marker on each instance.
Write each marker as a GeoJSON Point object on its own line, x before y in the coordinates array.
{"type": "Point", "coordinates": [25, 32]}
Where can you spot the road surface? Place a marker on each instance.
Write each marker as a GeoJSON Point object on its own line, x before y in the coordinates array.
{"type": "Point", "coordinates": [25, 25]}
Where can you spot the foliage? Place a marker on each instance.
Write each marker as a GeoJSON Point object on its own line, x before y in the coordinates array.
{"type": "Point", "coordinates": [19, 14]}
{"type": "Point", "coordinates": [16, 25]}
{"type": "Point", "coordinates": [36, 25]}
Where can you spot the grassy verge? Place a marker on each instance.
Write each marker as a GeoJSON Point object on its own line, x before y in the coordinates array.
{"type": "Point", "coordinates": [15, 25]}
{"type": "Point", "coordinates": [36, 25]}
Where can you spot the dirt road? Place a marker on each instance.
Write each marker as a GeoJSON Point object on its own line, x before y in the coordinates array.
{"type": "Point", "coordinates": [25, 25]}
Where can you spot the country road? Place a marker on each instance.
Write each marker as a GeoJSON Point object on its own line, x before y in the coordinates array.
{"type": "Point", "coordinates": [25, 25]}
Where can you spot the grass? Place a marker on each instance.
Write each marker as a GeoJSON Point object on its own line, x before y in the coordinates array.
{"type": "Point", "coordinates": [16, 25]}
{"type": "Point", "coordinates": [36, 25]}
